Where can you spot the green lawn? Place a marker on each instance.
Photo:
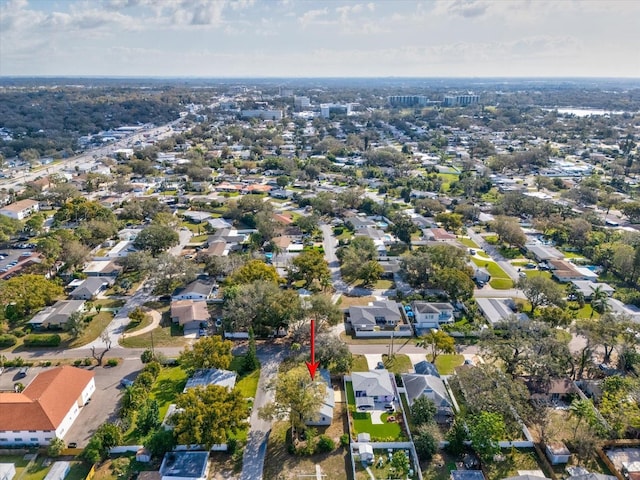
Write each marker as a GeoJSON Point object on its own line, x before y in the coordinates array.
{"type": "Point", "coordinates": [166, 335]}
{"type": "Point", "coordinates": [167, 387]}
{"type": "Point", "coordinates": [447, 363]}
{"type": "Point", "coordinates": [359, 364]}
{"type": "Point", "coordinates": [109, 302]}
{"type": "Point", "coordinates": [538, 273]}
{"type": "Point", "coordinates": [362, 422]}
{"type": "Point", "coordinates": [467, 242]}
{"type": "Point", "coordinates": [501, 283]}
{"type": "Point", "coordinates": [514, 460]}
{"type": "Point", "coordinates": [584, 312]}
{"type": "Point", "coordinates": [93, 329]}
{"type": "Point", "coordinates": [499, 278]}
{"type": "Point", "coordinates": [399, 363]}
{"type": "Point", "coordinates": [248, 384]}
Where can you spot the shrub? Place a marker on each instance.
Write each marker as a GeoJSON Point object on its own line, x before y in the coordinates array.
{"type": "Point", "coordinates": [19, 333]}
{"type": "Point", "coordinates": [34, 340]}
{"type": "Point", "coordinates": [87, 362]}
{"type": "Point", "coordinates": [344, 440]}
{"type": "Point", "coordinates": [112, 362]}
{"type": "Point", "coordinates": [232, 446]}
{"type": "Point", "coordinates": [55, 447]}
{"type": "Point", "coordinates": [153, 368]}
{"type": "Point", "coordinates": [77, 363]}
{"type": "Point", "coordinates": [325, 444]}
{"type": "Point", "coordinates": [147, 356]}
{"type": "Point", "coordinates": [7, 340]}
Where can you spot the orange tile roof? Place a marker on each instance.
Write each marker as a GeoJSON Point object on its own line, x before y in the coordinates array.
{"type": "Point", "coordinates": [282, 219]}
{"type": "Point", "coordinates": [46, 400]}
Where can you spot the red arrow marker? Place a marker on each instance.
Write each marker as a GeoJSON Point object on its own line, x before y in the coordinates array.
{"type": "Point", "coordinates": [313, 365]}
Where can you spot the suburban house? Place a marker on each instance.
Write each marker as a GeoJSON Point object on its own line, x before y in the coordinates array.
{"type": "Point", "coordinates": [21, 209]}
{"type": "Point", "coordinates": [432, 387]}
{"type": "Point", "coordinates": [185, 465]}
{"type": "Point", "coordinates": [189, 314]}
{"type": "Point", "coordinates": [197, 290]}
{"type": "Point", "coordinates": [438, 235]}
{"type": "Point", "coordinates": [230, 236]}
{"type": "Point", "coordinates": [429, 315]}
{"type": "Point", "coordinates": [553, 390]}
{"type": "Point", "coordinates": [497, 310]}
{"type": "Point", "coordinates": [361, 223]}
{"type": "Point", "coordinates": [586, 288]}
{"type": "Point", "coordinates": [565, 271]}
{"type": "Point", "coordinates": [89, 288]}
{"type": "Point", "coordinates": [324, 415]}
{"type": "Point", "coordinates": [47, 408]}
{"type": "Point", "coordinates": [102, 268]}
{"type": "Point", "coordinates": [372, 387]}
{"type": "Point", "coordinates": [211, 376]}
{"type": "Point", "coordinates": [57, 315]}
{"type": "Point", "coordinates": [543, 253]}
{"type": "Point", "coordinates": [381, 313]}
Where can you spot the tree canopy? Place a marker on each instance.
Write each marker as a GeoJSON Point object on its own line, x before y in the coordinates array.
{"type": "Point", "coordinates": [208, 415]}
{"type": "Point", "coordinates": [207, 352]}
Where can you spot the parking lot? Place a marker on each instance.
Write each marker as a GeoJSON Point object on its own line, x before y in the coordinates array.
{"type": "Point", "coordinates": [104, 402]}
{"type": "Point", "coordinates": [11, 258]}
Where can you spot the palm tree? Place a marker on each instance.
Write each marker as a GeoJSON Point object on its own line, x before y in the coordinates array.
{"type": "Point", "coordinates": [599, 301]}
{"type": "Point", "coordinates": [582, 410]}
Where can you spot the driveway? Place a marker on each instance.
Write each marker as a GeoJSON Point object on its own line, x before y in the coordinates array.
{"type": "Point", "coordinates": [329, 244]}
{"type": "Point", "coordinates": [121, 319]}
{"type": "Point", "coordinates": [373, 359]}
{"type": "Point", "coordinates": [256, 448]}
{"type": "Point", "coordinates": [185, 238]}
{"type": "Point", "coordinates": [495, 255]}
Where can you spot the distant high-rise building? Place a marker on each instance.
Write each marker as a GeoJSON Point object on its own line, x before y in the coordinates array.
{"type": "Point", "coordinates": [328, 109]}
{"type": "Point", "coordinates": [301, 103]}
{"type": "Point", "coordinates": [459, 100]}
{"type": "Point", "coordinates": [408, 100]}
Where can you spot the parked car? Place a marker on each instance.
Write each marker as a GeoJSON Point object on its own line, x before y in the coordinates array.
{"type": "Point", "coordinates": [23, 372]}
{"type": "Point", "coordinates": [125, 382]}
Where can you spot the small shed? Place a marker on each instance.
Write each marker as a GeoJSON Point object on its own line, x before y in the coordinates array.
{"type": "Point", "coordinates": [143, 455]}
{"type": "Point", "coordinates": [58, 471]}
{"type": "Point", "coordinates": [557, 453]}
{"type": "Point", "coordinates": [365, 450]}
{"type": "Point", "coordinates": [7, 471]}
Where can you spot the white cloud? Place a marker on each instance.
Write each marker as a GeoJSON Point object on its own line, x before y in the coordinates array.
{"type": "Point", "coordinates": [312, 16]}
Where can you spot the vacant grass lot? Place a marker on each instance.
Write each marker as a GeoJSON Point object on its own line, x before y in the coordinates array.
{"type": "Point", "coordinates": [281, 465]}
{"type": "Point", "coordinates": [167, 387]}
{"type": "Point", "coordinates": [446, 363]}
{"type": "Point", "coordinates": [538, 273]}
{"type": "Point", "coordinates": [398, 363]}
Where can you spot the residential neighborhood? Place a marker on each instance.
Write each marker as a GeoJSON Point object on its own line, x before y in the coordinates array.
{"type": "Point", "coordinates": [355, 282]}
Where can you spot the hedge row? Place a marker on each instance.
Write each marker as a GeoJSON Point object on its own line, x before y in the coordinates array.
{"type": "Point", "coordinates": [7, 340]}
{"type": "Point", "coordinates": [52, 340]}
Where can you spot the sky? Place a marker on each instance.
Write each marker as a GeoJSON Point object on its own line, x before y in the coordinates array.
{"type": "Point", "coordinates": [320, 38]}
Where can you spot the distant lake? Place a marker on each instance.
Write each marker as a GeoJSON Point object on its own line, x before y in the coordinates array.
{"type": "Point", "coordinates": [585, 112]}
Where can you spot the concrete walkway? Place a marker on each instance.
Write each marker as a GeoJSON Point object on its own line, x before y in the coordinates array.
{"type": "Point", "coordinates": [156, 318]}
